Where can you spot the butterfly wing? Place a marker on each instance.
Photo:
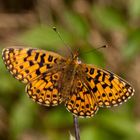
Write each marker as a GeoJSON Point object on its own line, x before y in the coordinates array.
{"type": "Point", "coordinates": [108, 88]}
{"type": "Point", "coordinates": [80, 102]}
{"type": "Point", "coordinates": [38, 69]}
{"type": "Point", "coordinates": [28, 64]}
{"type": "Point", "coordinates": [45, 89]}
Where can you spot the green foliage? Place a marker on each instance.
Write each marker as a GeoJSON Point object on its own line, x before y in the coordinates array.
{"type": "Point", "coordinates": [44, 36]}
{"type": "Point", "coordinates": [109, 18]}
{"type": "Point", "coordinates": [22, 117]}
{"type": "Point", "coordinates": [134, 9]}
{"type": "Point", "coordinates": [77, 24]}
{"type": "Point", "coordinates": [133, 44]}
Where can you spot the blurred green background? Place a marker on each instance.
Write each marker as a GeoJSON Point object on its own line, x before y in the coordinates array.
{"type": "Point", "coordinates": [83, 25]}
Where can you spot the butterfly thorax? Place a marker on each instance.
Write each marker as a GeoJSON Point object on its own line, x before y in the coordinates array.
{"type": "Point", "coordinates": [68, 77]}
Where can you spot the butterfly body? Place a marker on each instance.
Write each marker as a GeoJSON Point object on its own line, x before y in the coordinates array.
{"type": "Point", "coordinates": [52, 79]}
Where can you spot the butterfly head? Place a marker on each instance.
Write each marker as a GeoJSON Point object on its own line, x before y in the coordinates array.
{"type": "Point", "coordinates": [75, 57]}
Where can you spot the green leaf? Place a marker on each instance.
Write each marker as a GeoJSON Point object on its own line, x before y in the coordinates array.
{"type": "Point", "coordinates": [53, 119]}
{"type": "Point", "coordinates": [22, 116]}
{"type": "Point", "coordinates": [44, 37]}
{"type": "Point", "coordinates": [94, 133]}
{"type": "Point", "coordinates": [96, 58]}
{"type": "Point", "coordinates": [134, 8]}
{"type": "Point", "coordinates": [109, 18]}
{"type": "Point", "coordinates": [77, 24]}
{"type": "Point", "coordinates": [133, 44]}
{"type": "Point", "coordinates": [118, 122]}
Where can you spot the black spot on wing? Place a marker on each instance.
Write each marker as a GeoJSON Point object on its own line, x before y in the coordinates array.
{"type": "Point", "coordinates": [42, 58]}
{"type": "Point", "coordinates": [36, 56]}
{"type": "Point", "coordinates": [50, 58]}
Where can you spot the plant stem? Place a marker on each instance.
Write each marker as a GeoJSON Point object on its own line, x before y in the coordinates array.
{"type": "Point", "coordinates": [76, 127]}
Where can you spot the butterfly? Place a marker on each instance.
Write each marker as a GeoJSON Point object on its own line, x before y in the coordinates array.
{"type": "Point", "coordinates": [52, 79]}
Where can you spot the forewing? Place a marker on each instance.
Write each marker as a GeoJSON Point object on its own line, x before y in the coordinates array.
{"type": "Point", "coordinates": [81, 102]}
{"type": "Point", "coordinates": [26, 64]}
{"type": "Point", "coordinates": [108, 88]}
{"type": "Point", "coordinates": [45, 90]}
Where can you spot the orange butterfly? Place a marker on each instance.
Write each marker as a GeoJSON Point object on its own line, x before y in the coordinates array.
{"type": "Point", "coordinates": [51, 79]}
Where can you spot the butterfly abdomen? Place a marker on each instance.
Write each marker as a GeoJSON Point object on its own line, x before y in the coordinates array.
{"type": "Point", "coordinates": [67, 80]}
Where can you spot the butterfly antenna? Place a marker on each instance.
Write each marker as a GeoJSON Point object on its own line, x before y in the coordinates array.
{"type": "Point", "coordinates": [104, 46]}
{"type": "Point", "coordinates": [95, 49]}
{"type": "Point", "coordinates": [55, 29]}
